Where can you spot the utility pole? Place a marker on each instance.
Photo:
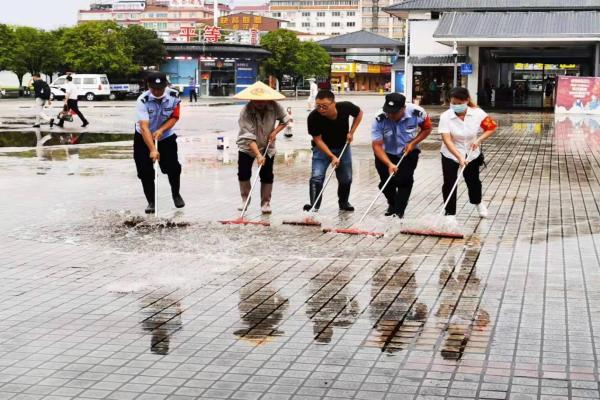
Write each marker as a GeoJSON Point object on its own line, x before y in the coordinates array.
{"type": "Point", "coordinates": [455, 54]}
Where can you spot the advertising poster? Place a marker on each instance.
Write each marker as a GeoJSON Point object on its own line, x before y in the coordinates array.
{"type": "Point", "coordinates": [578, 95]}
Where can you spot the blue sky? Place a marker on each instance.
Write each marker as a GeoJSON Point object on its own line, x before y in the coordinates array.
{"type": "Point", "coordinates": [50, 14]}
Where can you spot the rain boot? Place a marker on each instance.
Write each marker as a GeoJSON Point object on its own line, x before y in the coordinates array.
{"type": "Point", "coordinates": [265, 197]}
{"type": "Point", "coordinates": [174, 180]}
{"type": "Point", "coordinates": [245, 187]}
{"type": "Point", "coordinates": [314, 190]}
{"type": "Point", "coordinates": [343, 196]}
{"type": "Point", "coordinates": [148, 185]}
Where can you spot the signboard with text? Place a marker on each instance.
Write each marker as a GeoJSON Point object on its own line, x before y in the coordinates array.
{"type": "Point", "coordinates": [578, 95]}
{"type": "Point", "coordinates": [212, 34]}
{"type": "Point", "coordinates": [188, 33]}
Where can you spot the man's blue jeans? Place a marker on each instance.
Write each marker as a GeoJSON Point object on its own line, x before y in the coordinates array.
{"type": "Point", "coordinates": [343, 173]}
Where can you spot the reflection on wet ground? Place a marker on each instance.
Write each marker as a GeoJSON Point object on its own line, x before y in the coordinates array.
{"type": "Point", "coordinates": [510, 311]}
{"type": "Point", "coordinates": [35, 139]}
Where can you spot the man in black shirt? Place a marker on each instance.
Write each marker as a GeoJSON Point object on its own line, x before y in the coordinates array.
{"type": "Point", "coordinates": [42, 95]}
{"type": "Point", "coordinates": [329, 125]}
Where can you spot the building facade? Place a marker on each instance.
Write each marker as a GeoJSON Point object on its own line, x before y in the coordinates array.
{"type": "Point", "coordinates": [320, 18]}
{"type": "Point", "coordinates": [362, 61]}
{"type": "Point", "coordinates": [508, 54]}
{"type": "Point", "coordinates": [376, 20]}
{"type": "Point", "coordinates": [173, 20]}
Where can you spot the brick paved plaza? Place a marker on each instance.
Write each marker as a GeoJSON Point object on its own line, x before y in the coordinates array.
{"type": "Point", "coordinates": [93, 308]}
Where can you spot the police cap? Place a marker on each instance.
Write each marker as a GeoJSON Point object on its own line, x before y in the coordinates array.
{"type": "Point", "coordinates": [157, 80]}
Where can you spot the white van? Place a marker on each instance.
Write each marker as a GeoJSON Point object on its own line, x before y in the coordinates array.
{"type": "Point", "coordinates": [90, 86]}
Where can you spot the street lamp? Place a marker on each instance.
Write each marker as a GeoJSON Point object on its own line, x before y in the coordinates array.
{"type": "Point", "coordinates": [455, 55]}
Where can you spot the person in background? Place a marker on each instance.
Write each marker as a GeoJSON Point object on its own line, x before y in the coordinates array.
{"type": "Point", "coordinates": [192, 87]}
{"type": "Point", "coordinates": [288, 129]}
{"type": "Point", "coordinates": [71, 93]}
{"type": "Point", "coordinates": [42, 96]}
{"type": "Point", "coordinates": [314, 89]}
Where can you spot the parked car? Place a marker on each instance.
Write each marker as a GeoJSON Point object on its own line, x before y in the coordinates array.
{"type": "Point", "coordinates": [56, 93]}
{"type": "Point", "coordinates": [91, 86]}
{"type": "Point", "coordinates": [120, 91]}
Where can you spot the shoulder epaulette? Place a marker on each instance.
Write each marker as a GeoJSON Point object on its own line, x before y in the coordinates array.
{"type": "Point", "coordinates": [145, 98]}
{"type": "Point", "coordinates": [381, 117]}
{"type": "Point", "coordinates": [417, 113]}
{"type": "Point", "coordinates": [174, 93]}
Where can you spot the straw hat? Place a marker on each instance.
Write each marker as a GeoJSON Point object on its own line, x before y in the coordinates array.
{"type": "Point", "coordinates": [259, 91]}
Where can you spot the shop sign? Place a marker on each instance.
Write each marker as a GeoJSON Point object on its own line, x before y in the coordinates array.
{"type": "Point", "coordinates": [187, 33]}
{"type": "Point", "coordinates": [374, 69]}
{"type": "Point", "coordinates": [343, 67]}
{"type": "Point", "coordinates": [218, 64]}
{"type": "Point", "coordinates": [578, 95]}
{"type": "Point", "coordinates": [212, 34]}
{"type": "Point", "coordinates": [386, 69]}
{"type": "Point", "coordinates": [466, 69]}
{"type": "Point", "coordinates": [362, 68]}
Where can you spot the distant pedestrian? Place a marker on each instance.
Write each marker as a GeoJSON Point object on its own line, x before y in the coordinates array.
{"type": "Point", "coordinates": [314, 89]}
{"type": "Point", "coordinates": [193, 93]}
{"type": "Point", "coordinates": [42, 97]}
{"type": "Point", "coordinates": [71, 93]}
{"type": "Point", "coordinates": [288, 129]}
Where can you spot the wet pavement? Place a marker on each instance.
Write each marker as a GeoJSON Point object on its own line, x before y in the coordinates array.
{"type": "Point", "coordinates": [100, 302]}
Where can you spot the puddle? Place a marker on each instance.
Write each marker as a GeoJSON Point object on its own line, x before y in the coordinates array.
{"type": "Point", "coordinates": [35, 139]}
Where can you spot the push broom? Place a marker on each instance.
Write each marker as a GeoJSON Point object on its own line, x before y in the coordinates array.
{"type": "Point", "coordinates": [438, 225]}
{"type": "Point", "coordinates": [355, 231]}
{"type": "Point", "coordinates": [310, 220]}
{"type": "Point", "coordinates": [241, 220]}
{"type": "Point", "coordinates": [156, 181]}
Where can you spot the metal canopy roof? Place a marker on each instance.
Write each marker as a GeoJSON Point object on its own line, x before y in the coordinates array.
{"type": "Point", "coordinates": [360, 39]}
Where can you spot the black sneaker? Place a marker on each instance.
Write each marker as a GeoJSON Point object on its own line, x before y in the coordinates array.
{"type": "Point", "coordinates": [36, 125]}
{"type": "Point", "coordinates": [51, 122]}
{"type": "Point", "coordinates": [150, 208]}
{"type": "Point", "coordinates": [390, 211]}
{"type": "Point", "coordinates": [84, 125]}
{"type": "Point", "coordinates": [346, 206]}
{"type": "Point", "coordinates": [179, 203]}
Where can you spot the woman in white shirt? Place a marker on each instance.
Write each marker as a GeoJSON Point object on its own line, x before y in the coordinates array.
{"type": "Point", "coordinates": [463, 128]}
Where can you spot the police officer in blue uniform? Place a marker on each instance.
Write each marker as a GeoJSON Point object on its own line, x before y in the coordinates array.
{"type": "Point", "coordinates": [158, 111]}
{"type": "Point", "coordinates": [399, 129]}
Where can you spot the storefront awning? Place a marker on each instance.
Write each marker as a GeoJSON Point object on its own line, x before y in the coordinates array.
{"type": "Point", "coordinates": [514, 27]}
{"type": "Point", "coordinates": [217, 50]}
{"type": "Point", "coordinates": [437, 60]}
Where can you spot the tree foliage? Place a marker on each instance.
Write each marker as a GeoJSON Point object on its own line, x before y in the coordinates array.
{"type": "Point", "coordinates": [148, 48]}
{"type": "Point", "coordinates": [97, 47]}
{"type": "Point", "coordinates": [7, 38]}
{"type": "Point", "coordinates": [291, 57]}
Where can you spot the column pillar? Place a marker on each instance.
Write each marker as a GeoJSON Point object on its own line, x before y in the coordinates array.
{"type": "Point", "coordinates": [473, 79]}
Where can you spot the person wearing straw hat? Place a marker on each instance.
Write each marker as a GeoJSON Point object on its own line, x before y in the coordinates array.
{"type": "Point", "coordinates": [460, 127]}
{"type": "Point", "coordinates": [260, 121]}
{"type": "Point", "coordinates": [157, 113]}
{"type": "Point", "coordinates": [398, 131]}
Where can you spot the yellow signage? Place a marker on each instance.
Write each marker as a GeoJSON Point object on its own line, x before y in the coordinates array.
{"type": "Point", "coordinates": [374, 69]}
{"type": "Point", "coordinates": [343, 67]}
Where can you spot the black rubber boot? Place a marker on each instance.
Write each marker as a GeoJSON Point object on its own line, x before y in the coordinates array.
{"type": "Point", "coordinates": [178, 201]}
{"type": "Point", "coordinates": [150, 208]}
{"type": "Point", "coordinates": [390, 211]}
{"type": "Point", "coordinates": [343, 196]}
{"type": "Point", "coordinates": [314, 190]}
{"type": "Point", "coordinates": [148, 185]}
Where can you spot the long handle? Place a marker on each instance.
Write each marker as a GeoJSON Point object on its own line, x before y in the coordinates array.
{"type": "Point", "coordinates": [381, 190]}
{"type": "Point", "coordinates": [328, 179]}
{"type": "Point", "coordinates": [156, 181]}
{"type": "Point", "coordinates": [456, 182]}
{"type": "Point", "coordinates": [254, 183]}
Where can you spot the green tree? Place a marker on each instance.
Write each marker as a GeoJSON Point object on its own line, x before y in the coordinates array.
{"type": "Point", "coordinates": [284, 46]}
{"type": "Point", "coordinates": [97, 47]}
{"type": "Point", "coordinates": [7, 38]}
{"type": "Point", "coordinates": [312, 60]}
{"type": "Point", "coordinates": [148, 48]}
{"type": "Point", "coordinates": [33, 51]}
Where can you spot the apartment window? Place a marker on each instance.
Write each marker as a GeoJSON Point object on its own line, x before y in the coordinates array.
{"type": "Point", "coordinates": [306, 24]}
{"type": "Point", "coordinates": [335, 14]}
{"type": "Point", "coordinates": [277, 15]}
{"type": "Point", "coordinates": [435, 15]}
{"type": "Point", "coordinates": [351, 13]}
{"type": "Point", "coordinates": [320, 24]}
{"type": "Point", "coordinates": [320, 14]}
{"type": "Point", "coordinates": [336, 24]}
{"type": "Point", "coordinates": [351, 23]}
{"type": "Point", "coordinates": [335, 33]}
{"type": "Point", "coordinates": [291, 24]}
{"type": "Point", "coordinates": [306, 14]}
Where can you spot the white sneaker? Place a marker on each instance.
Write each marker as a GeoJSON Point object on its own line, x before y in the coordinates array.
{"type": "Point", "coordinates": [266, 208]}
{"type": "Point", "coordinates": [482, 209]}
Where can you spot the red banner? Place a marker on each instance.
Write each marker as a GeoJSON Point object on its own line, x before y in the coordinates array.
{"type": "Point", "coordinates": [578, 95]}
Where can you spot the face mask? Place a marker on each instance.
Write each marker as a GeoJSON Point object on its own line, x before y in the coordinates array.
{"type": "Point", "coordinates": [159, 97]}
{"type": "Point", "coordinates": [458, 108]}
